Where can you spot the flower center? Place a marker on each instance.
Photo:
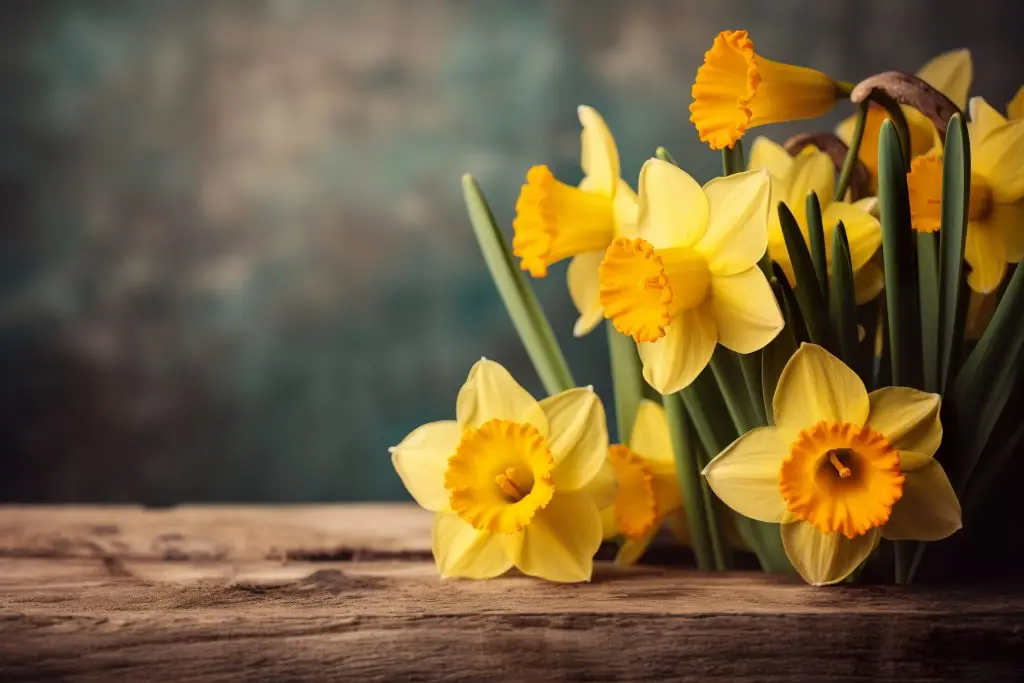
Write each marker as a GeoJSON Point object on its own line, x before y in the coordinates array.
{"type": "Point", "coordinates": [500, 475]}
{"type": "Point", "coordinates": [641, 288]}
{"type": "Point", "coordinates": [924, 183]}
{"type": "Point", "coordinates": [841, 478]}
{"type": "Point", "coordinates": [636, 503]}
{"type": "Point", "coordinates": [555, 221]}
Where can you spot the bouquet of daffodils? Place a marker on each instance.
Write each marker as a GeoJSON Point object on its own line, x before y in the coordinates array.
{"type": "Point", "coordinates": [810, 354]}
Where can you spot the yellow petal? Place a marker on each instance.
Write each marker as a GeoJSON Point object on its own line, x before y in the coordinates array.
{"type": "Point", "coordinates": [1008, 222]}
{"type": "Point", "coordinates": [907, 418]}
{"type": "Point", "coordinates": [463, 551]}
{"type": "Point", "coordinates": [737, 234]}
{"type": "Point", "coordinates": [771, 157]}
{"type": "Point", "coordinates": [582, 279]}
{"type": "Point", "coordinates": [986, 255]}
{"type": "Point", "coordinates": [577, 436]}
{"type": "Point", "coordinates": [868, 205]}
{"type": "Point", "coordinates": [650, 437]}
{"type": "Point", "coordinates": [815, 385]}
{"type": "Point", "coordinates": [421, 460]}
{"type": "Point", "coordinates": [746, 313]}
{"type": "Point", "coordinates": [672, 362]}
{"type": "Point", "coordinates": [599, 156]}
{"type": "Point", "coordinates": [984, 120]}
{"type": "Point", "coordinates": [626, 209]}
{"type": "Point", "coordinates": [560, 542]}
{"type": "Point", "coordinates": [1015, 109]}
{"type": "Point", "coordinates": [602, 488]}
{"type": "Point", "coordinates": [863, 232]}
{"type": "Point", "coordinates": [746, 475]}
{"type": "Point", "coordinates": [844, 131]}
{"type": "Point", "coordinates": [609, 527]}
{"type": "Point", "coordinates": [632, 550]}
{"type": "Point", "coordinates": [822, 559]}
{"type": "Point", "coordinates": [929, 509]}
{"type": "Point", "coordinates": [868, 282]}
{"type": "Point", "coordinates": [999, 157]}
{"type": "Point", "coordinates": [673, 208]}
{"type": "Point", "coordinates": [813, 171]}
{"type": "Point", "coordinates": [950, 73]}
{"type": "Point", "coordinates": [678, 525]}
{"type": "Point", "coordinates": [491, 393]}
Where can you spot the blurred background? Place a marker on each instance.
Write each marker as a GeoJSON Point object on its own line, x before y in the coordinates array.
{"type": "Point", "coordinates": [234, 261]}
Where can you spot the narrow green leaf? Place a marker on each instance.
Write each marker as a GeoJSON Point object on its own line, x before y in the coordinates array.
{"type": "Point", "coordinates": [808, 292]}
{"type": "Point", "coordinates": [928, 297]}
{"type": "Point", "coordinates": [900, 262]}
{"type": "Point", "coordinates": [778, 352]}
{"type": "Point", "coordinates": [869, 316]}
{"type": "Point", "coordinates": [732, 159]}
{"type": "Point", "coordinates": [842, 305]}
{"type": "Point", "coordinates": [816, 236]}
{"type": "Point", "coordinates": [952, 294]}
{"type": "Point", "coordinates": [665, 155]}
{"type": "Point", "coordinates": [852, 152]}
{"type": "Point", "coordinates": [790, 307]}
{"type": "Point", "coordinates": [626, 380]}
{"type": "Point", "coordinates": [899, 122]}
{"type": "Point", "coordinates": [715, 511]}
{"type": "Point", "coordinates": [527, 316]}
{"type": "Point", "coordinates": [733, 388]}
{"type": "Point", "coordinates": [750, 366]}
{"type": "Point", "coordinates": [688, 472]}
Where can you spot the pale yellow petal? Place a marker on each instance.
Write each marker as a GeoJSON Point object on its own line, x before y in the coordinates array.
{"type": "Point", "coordinates": [813, 171]}
{"type": "Point", "coordinates": [868, 205]}
{"type": "Point", "coordinates": [581, 276]}
{"type": "Point", "coordinates": [626, 209]}
{"type": "Point", "coordinates": [907, 418]}
{"type": "Point", "coordinates": [609, 527]}
{"type": "Point", "coordinates": [632, 550]}
{"type": "Point", "coordinates": [746, 475]}
{"type": "Point", "coordinates": [868, 282]}
{"type": "Point", "coordinates": [815, 385]}
{"type": "Point", "coordinates": [1008, 222]}
{"type": "Point", "coordinates": [844, 131]}
{"type": "Point", "coordinates": [986, 255]}
{"type": "Point", "coordinates": [999, 158]}
{"type": "Point", "coordinates": [675, 360]}
{"type": "Point", "coordinates": [863, 232]}
{"type": "Point", "coordinates": [560, 542]}
{"type": "Point", "coordinates": [737, 234]}
{"type": "Point", "coordinates": [650, 436]}
{"type": "Point", "coordinates": [822, 559]}
{"type": "Point", "coordinates": [746, 312]}
{"type": "Point", "coordinates": [599, 156]}
{"type": "Point", "coordinates": [577, 436]}
{"type": "Point", "coordinates": [673, 208]}
{"type": "Point", "coordinates": [984, 120]}
{"type": "Point", "coordinates": [950, 73]}
{"type": "Point", "coordinates": [929, 509]}
{"type": "Point", "coordinates": [421, 460]}
{"type": "Point", "coordinates": [603, 487]}
{"type": "Point", "coordinates": [1015, 109]}
{"type": "Point", "coordinates": [460, 550]}
{"type": "Point", "coordinates": [771, 157]}
{"type": "Point", "coordinates": [490, 393]}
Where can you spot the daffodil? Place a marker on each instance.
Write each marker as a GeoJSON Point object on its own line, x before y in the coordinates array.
{"type": "Point", "coordinates": [995, 221]}
{"type": "Point", "coordinates": [737, 89]}
{"type": "Point", "coordinates": [950, 73]}
{"type": "Point", "coordinates": [793, 178]}
{"type": "Point", "coordinates": [647, 489]}
{"type": "Point", "coordinates": [1015, 109]}
{"type": "Point", "coordinates": [555, 221]}
{"type": "Point", "coordinates": [840, 469]}
{"type": "Point", "coordinates": [514, 481]}
{"type": "Point", "coordinates": [690, 280]}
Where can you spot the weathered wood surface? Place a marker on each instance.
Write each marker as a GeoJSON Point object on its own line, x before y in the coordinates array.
{"type": "Point", "coordinates": [216, 594]}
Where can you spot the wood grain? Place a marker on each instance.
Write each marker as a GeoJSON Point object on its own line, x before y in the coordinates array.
{"type": "Point", "coordinates": [140, 616]}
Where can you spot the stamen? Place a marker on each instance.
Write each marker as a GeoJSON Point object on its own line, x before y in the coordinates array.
{"type": "Point", "coordinates": [844, 471]}
{"type": "Point", "coordinates": [507, 483]}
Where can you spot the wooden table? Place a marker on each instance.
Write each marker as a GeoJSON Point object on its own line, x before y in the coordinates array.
{"type": "Point", "coordinates": [326, 593]}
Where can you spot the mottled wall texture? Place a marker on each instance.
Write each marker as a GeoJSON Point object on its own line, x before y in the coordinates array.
{"type": "Point", "coordinates": [234, 263]}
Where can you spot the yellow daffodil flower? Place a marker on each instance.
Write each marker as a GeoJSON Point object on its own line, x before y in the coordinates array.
{"type": "Point", "coordinates": [737, 89]}
{"type": "Point", "coordinates": [995, 222]}
{"type": "Point", "coordinates": [840, 469]}
{"type": "Point", "coordinates": [647, 489]}
{"type": "Point", "coordinates": [690, 278]}
{"type": "Point", "coordinates": [950, 73]}
{"type": "Point", "coordinates": [1015, 109]}
{"type": "Point", "coordinates": [793, 178]}
{"type": "Point", "coordinates": [514, 481]}
{"type": "Point", "coordinates": [555, 221]}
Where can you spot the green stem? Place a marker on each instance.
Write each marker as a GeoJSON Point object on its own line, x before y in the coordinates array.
{"type": "Point", "coordinates": [626, 378]}
{"type": "Point", "coordinates": [732, 159]}
{"type": "Point", "coordinates": [750, 366]}
{"type": "Point", "coordinates": [895, 112]}
{"type": "Point", "coordinates": [713, 511]}
{"type": "Point", "coordinates": [665, 155]}
{"type": "Point", "coordinates": [733, 388]}
{"type": "Point", "coordinates": [852, 153]}
{"type": "Point", "coordinates": [689, 485]}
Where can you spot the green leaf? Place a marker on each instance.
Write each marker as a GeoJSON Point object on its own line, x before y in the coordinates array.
{"type": "Point", "coordinates": [952, 294]}
{"type": "Point", "coordinates": [665, 155]}
{"type": "Point", "coordinates": [778, 352]}
{"type": "Point", "coordinates": [750, 366]}
{"type": "Point", "coordinates": [808, 292]}
{"type": "Point", "coordinates": [928, 297]}
{"type": "Point", "coordinates": [527, 316]}
{"type": "Point", "coordinates": [733, 388]}
{"type": "Point", "coordinates": [789, 305]}
{"type": "Point", "coordinates": [732, 159]}
{"type": "Point", "coordinates": [627, 380]}
{"type": "Point", "coordinates": [900, 262]}
{"type": "Point", "coordinates": [842, 305]}
{"type": "Point", "coordinates": [816, 236]}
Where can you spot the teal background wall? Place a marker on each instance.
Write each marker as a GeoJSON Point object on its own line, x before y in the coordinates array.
{"type": "Point", "coordinates": [233, 259]}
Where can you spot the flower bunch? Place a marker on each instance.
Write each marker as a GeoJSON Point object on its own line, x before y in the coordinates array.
{"type": "Point", "coordinates": [794, 340]}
